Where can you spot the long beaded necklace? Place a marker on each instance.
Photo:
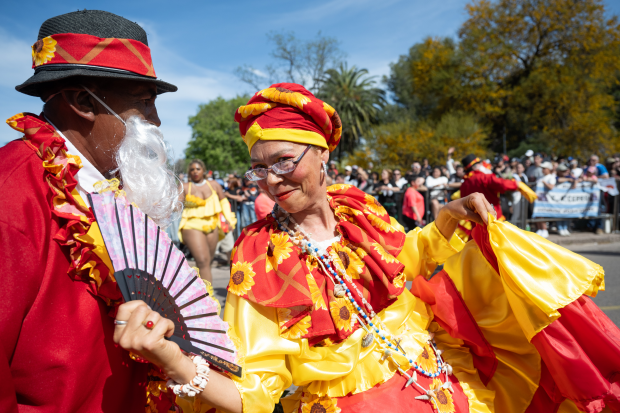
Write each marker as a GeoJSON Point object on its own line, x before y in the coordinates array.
{"type": "Point", "coordinates": [368, 319]}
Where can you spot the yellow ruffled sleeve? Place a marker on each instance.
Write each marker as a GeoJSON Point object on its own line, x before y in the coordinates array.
{"type": "Point", "coordinates": [425, 248]}
{"type": "Point", "coordinates": [265, 371]}
{"type": "Point", "coordinates": [538, 276]}
{"type": "Point", "coordinates": [266, 374]}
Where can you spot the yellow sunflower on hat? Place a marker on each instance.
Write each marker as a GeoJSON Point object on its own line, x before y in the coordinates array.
{"type": "Point", "coordinates": [427, 360]}
{"type": "Point", "coordinates": [348, 260]}
{"type": "Point", "coordinates": [297, 330]}
{"type": "Point", "coordinates": [43, 51]}
{"type": "Point", "coordinates": [385, 256]}
{"type": "Point", "coordinates": [342, 314]}
{"type": "Point", "coordinates": [315, 293]}
{"type": "Point", "coordinates": [373, 205]}
{"type": "Point", "coordinates": [241, 278]}
{"type": "Point", "coordinates": [378, 223]}
{"type": "Point", "coordinates": [443, 398]}
{"type": "Point", "coordinates": [255, 108]}
{"type": "Point", "coordinates": [315, 404]}
{"type": "Point", "coordinates": [278, 249]}
{"type": "Point", "coordinates": [282, 95]}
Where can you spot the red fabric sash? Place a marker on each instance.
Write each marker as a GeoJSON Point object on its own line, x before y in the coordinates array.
{"type": "Point", "coordinates": [453, 316]}
{"type": "Point", "coordinates": [580, 353]}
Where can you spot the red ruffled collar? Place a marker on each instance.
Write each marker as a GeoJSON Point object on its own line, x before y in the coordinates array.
{"type": "Point", "coordinates": [268, 269]}
{"type": "Point", "coordinates": [74, 219]}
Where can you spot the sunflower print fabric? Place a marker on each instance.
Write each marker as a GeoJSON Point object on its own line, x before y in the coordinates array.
{"type": "Point", "coordinates": [427, 360]}
{"type": "Point", "coordinates": [278, 250]}
{"type": "Point", "coordinates": [270, 270]}
{"type": "Point", "coordinates": [282, 95]}
{"type": "Point", "coordinates": [241, 278]}
{"type": "Point", "coordinates": [311, 403]}
{"type": "Point", "coordinates": [442, 397]}
{"type": "Point", "coordinates": [342, 314]}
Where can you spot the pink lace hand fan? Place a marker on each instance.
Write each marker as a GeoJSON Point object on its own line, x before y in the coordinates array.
{"type": "Point", "coordinates": [150, 268]}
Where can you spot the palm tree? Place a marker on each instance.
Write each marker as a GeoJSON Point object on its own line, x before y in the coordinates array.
{"type": "Point", "coordinates": [352, 93]}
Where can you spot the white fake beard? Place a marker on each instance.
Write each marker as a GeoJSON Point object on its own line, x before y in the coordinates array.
{"type": "Point", "coordinates": [479, 167]}
{"type": "Point", "coordinates": [147, 179]}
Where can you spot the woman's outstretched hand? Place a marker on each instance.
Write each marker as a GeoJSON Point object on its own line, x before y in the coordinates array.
{"type": "Point", "coordinates": [473, 207]}
{"type": "Point", "coordinates": [151, 343]}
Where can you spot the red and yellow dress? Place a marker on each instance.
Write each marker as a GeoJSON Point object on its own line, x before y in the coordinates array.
{"type": "Point", "coordinates": [509, 327]}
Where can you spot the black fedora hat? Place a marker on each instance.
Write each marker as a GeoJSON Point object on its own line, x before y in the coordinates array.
{"type": "Point", "coordinates": [469, 161]}
{"type": "Point", "coordinates": [91, 43]}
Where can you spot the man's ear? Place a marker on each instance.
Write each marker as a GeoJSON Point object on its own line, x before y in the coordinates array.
{"type": "Point", "coordinates": [81, 103]}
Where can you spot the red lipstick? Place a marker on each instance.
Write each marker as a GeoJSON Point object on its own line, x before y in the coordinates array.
{"type": "Point", "coordinates": [284, 195]}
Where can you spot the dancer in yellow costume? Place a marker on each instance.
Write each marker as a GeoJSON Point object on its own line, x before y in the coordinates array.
{"type": "Point", "coordinates": [201, 225]}
{"type": "Point", "coordinates": [317, 298]}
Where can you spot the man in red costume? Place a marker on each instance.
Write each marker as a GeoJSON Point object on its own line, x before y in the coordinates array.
{"type": "Point", "coordinates": [94, 72]}
{"type": "Point", "coordinates": [480, 179]}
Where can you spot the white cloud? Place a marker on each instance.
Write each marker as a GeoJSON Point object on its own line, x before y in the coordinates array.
{"type": "Point", "coordinates": [16, 60]}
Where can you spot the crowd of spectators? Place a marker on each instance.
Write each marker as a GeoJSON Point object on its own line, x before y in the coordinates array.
{"type": "Point", "coordinates": [402, 192]}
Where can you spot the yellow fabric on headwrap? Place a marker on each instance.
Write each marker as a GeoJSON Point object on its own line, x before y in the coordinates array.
{"type": "Point", "coordinates": [289, 112]}
{"type": "Point", "coordinates": [256, 133]}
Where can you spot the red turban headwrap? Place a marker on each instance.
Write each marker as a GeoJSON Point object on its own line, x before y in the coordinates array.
{"type": "Point", "coordinates": [289, 112]}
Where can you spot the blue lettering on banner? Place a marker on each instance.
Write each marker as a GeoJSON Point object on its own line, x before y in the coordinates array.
{"type": "Point", "coordinates": [563, 201]}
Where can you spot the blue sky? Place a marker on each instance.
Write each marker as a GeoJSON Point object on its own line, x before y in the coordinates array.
{"type": "Point", "coordinates": [197, 44]}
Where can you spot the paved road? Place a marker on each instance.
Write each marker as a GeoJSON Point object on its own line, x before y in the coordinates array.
{"type": "Point", "coordinates": [607, 255]}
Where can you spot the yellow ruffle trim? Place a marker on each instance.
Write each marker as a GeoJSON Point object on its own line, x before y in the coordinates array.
{"type": "Point", "coordinates": [540, 277]}
{"type": "Point", "coordinates": [355, 369]}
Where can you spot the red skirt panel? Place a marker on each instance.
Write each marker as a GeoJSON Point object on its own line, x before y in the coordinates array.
{"type": "Point", "coordinates": [393, 397]}
{"type": "Point", "coordinates": [581, 351]}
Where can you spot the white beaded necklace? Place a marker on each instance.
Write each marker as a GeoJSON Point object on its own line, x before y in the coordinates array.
{"type": "Point", "coordinates": [371, 324]}
{"type": "Point", "coordinates": [204, 181]}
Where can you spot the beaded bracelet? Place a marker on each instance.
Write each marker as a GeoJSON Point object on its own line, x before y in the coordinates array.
{"type": "Point", "coordinates": [197, 384]}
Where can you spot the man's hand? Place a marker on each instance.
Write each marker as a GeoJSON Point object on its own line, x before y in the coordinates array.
{"type": "Point", "coordinates": [151, 344]}
{"type": "Point", "coordinates": [450, 150]}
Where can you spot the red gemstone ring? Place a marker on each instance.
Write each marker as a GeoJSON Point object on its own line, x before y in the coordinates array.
{"type": "Point", "coordinates": [149, 324]}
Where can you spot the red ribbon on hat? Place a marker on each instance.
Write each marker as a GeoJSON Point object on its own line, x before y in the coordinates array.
{"type": "Point", "coordinates": [85, 50]}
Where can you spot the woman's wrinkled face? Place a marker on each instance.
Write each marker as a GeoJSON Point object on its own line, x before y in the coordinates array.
{"type": "Point", "coordinates": [297, 190]}
{"type": "Point", "coordinates": [196, 172]}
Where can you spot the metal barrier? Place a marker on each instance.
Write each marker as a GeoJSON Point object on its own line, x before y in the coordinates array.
{"type": "Point", "coordinates": [522, 222]}
{"type": "Point", "coordinates": [525, 209]}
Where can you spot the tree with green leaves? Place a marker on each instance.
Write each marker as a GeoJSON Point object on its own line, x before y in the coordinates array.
{"type": "Point", "coordinates": [356, 99]}
{"type": "Point", "coordinates": [215, 136]}
{"type": "Point", "coordinates": [534, 70]}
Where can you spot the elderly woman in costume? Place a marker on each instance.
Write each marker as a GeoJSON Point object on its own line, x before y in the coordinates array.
{"type": "Point", "coordinates": [317, 298]}
{"type": "Point", "coordinates": [206, 218]}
